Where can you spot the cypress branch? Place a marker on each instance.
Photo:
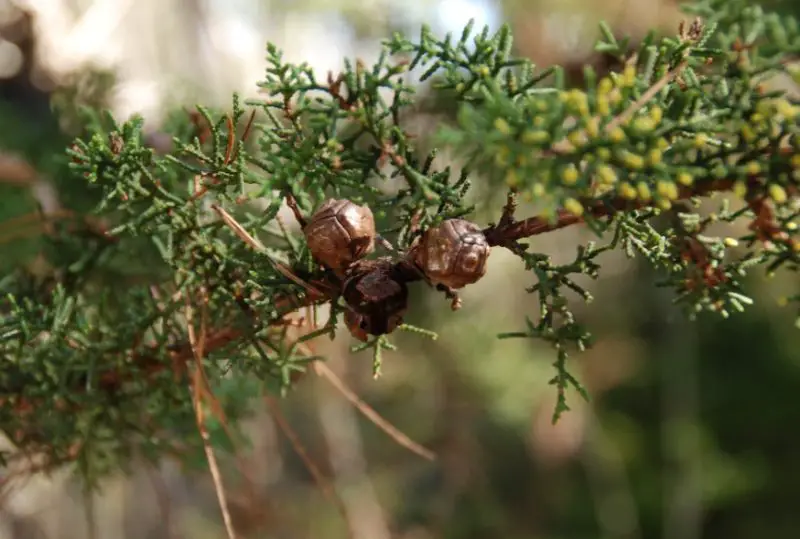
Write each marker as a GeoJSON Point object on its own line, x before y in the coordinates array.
{"type": "Point", "coordinates": [99, 357]}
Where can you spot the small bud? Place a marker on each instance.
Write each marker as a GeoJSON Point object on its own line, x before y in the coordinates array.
{"type": "Point", "coordinates": [512, 179]}
{"type": "Point", "coordinates": [577, 138]}
{"type": "Point", "coordinates": [573, 206]}
{"type": "Point", "coordinates": [786, 109]}
{"type": "Point", "coordinates": [603, 107]}
{"type": "Point", "coordinates": [569, 176]}
{"type": "Point", "coordinates": [604, 86]}
{"type": "Point", "coordinates": [777, 193]}
{"type": "Point", "coordinates": [753, 168]}
{"type": "Point", "coordinates": [501, 125]}
{"type": "Point", "coordinates": [617, 135]}
{"type": "Point", "coordinates": [656, 113]}
{"type": "Point", "coordinates": [607, 175]}
{"type": "Point", "coordinates": [644, 125]}
{"type": "Point", "coordinates": [644, 191]}
{"type": "Point", "coordinates": [700, 140]}
{"type": "Point", "coordinates": [593, 128]}
{"type": "Point", "coordinates": [667, 190]}
{"type": "Point", "coordinates": [654, 156]}
{"type": "Point", "coordinates": [747, 133]}
{"type": "Point", "coordinates": [628, 77]}
{"type": "Point", "coordinates": [633, 161]}
{"type": "Point", "coordinates": [627, 191]}
{"type": "Point", "coordinates": [731, 242]}
{"type": "Point", "coordinates": [535, 137]}
{"type": "Point", "coordinates": [501, 157]}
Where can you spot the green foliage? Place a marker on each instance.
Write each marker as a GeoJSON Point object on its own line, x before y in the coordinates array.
{"type": "Point", "coordinates": [98, 350]}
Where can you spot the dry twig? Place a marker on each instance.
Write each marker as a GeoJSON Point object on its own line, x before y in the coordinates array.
{"type": "Point", "coordinates": [198, 392]}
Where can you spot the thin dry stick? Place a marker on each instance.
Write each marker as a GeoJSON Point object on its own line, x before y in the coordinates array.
{"type": "Point", "coordinates": [649, 94]}
{"type": "Point", "coordinates": [322, 370]}
{"type": "Point", "coordinates": [393, 432]}
{"type": "Point", "coordinates": [197, 394]}
{"type": "Point", "coordinates": [214, 468]}
{"type": "Point", "coordinates": [364, 510]}
{"type": "Point", "coordinates": [229, 153]}
{"type": "Point", "coordinates": [345, 454]}
{"type": "Point", "coordinates": [565, 146]}
{"type": "Point", "coordinates": [294, 440]}
{"type": "Point", "coordinates": [162, 497]}
{"type": "Point", "coordinates": [217, 409]}
{"type": "Point", "coordinates": [245, 236]}
{"type": "Point", "coordinates": [89, 514]}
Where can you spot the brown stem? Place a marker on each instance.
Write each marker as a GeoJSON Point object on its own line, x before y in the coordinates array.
{"type": "Point", "coordinates": [509, 231]}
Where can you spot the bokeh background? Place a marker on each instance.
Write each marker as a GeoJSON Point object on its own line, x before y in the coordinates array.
{"type": "Point", "coordinates": [692, 430]}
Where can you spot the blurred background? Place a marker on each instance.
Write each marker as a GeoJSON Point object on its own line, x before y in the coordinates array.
{"type": "Point", "coordinates": [692, 429]}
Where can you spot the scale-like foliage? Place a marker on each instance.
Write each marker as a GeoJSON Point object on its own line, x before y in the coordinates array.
{"type": "Point", "coordinates": [98, 348]}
